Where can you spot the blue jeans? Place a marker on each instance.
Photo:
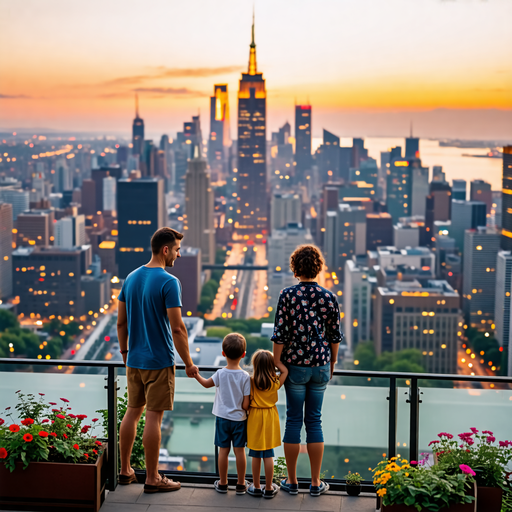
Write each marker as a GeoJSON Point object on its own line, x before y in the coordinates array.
{"type": "Point", "coordinates": [305, 388]}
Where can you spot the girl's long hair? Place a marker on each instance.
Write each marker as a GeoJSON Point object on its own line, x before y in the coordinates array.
{"type": "Point", "coordinates": [264, 370]}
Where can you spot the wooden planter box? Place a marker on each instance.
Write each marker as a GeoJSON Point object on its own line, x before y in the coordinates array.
{"type": "Point", "coordinates": [489, 499]}
{"type": "Point", "coordinates": [53, 485]}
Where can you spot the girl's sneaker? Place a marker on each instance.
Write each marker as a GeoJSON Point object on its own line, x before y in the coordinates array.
{"type": "Point", "coordinates": [316, 490]}
{"type": "Point", "coordinates": [220, 488]}
{"type": "Point", "coordinates": [289, 488]}
{"type": "Point", "coordinates": [270, 494]}
{"type": "Point", "coordinates": [258, 493]}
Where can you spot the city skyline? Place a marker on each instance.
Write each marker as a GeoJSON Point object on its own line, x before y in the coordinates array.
{"type": "Point", "coordinates": [355, 63]}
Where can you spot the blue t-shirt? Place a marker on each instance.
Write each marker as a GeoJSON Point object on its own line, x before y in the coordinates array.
{"type": "Point", "coordinates": [148, 292]}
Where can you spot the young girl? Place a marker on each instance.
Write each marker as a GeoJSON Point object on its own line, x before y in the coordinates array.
{"type": "Point", "coordinates": [263, 432]}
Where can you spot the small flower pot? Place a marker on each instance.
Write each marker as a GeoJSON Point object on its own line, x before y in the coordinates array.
{"type": "Point", "coordinates": [489, 499]}
{"type": "Point", "coordinates": [353, 489]}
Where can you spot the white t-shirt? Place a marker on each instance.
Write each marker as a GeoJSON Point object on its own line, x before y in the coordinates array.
{"type": "Point", "coordinates": [230, 388]}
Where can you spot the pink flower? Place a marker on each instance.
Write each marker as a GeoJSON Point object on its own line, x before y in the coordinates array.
{"type": "Point", "coordinates": [503, 444]}
{"type": "Point", "coordinates": [414, 462]}
{"type": "Point", "coordinates": [474, 430]}
{"type": "Point", "coordinates": [491, 439]}
{"type": "Point", "coordinates": [467, 470]}
{"type": "Point", "coordinates": [95, 420]}
{"type": "Point", "coordinates": [488, 432]}
{"type": "Point", "coordinates": [52, 403]}
{"type": "Point", "coordinates": [445, 434]}
{"type": "Point", "coordinates": [433, 442]}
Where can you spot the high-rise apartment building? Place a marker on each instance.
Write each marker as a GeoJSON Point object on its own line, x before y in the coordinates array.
{"type": "Point", "coordinates": [502, 302]}
{"type": "Point", "coordinates": [220, 138]}
{"type": "Point", "coordinates": [466, 215]}
{"type": "Point", "coordinates": [252, 170]}
{"type": "Point", "coordinates": [70, 232]}
{"type": "Point", "coordinates": [19, 199]}
{"type": "Point", "coordinates": [426, 318]}
{"type": "Point", "coordinates": [506, 201]}
{"type": "Point", "coordinates": [379, 230]}
{"type": "Point", "coordinates": [5, 250]}
{"type": "Point", "coordinates": [137, 131]}
{"type": "Point", "coordinates": [285, 209]}
{"type": "Point", "coordinates": [140, 212]}
{"type": "Point", "coordinates": [303, 159]}
{"type": "Point", "coordinates": [480, 190]}
{"type": "Point", "coordinates": [481, 247]}
{"type": "Point", "coordinates": [98, 176]}
{"type": "Point", "coordinates": [345, 236]}
{"type": "Point", "coordinates": [356, 304]}
{"type": "Point", "coordinates": [199, 208]}
{"type": "Point", "coordinates": [35, 227]}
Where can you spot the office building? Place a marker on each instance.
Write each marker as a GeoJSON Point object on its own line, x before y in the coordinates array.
{"type": "Point", "coordinates": [481, 246]}
{"type": "Point", "coordinates": [367, 172]}
{"type": "Point", "coordinates": [220, 137]}
{"type": "Point", "coordinates": [412, 147]}
{"type": "Point", "coordinates": [70, 232]}
{"type": "Point", "coordinates": [5, 251]}
{"type": "Point", "coordinates": [252, 170]}
{"type": "Point", "coordinates": [427, 318]}
{"type": "Point", "coordinates": [417, 257]}
{"type": "Point", "coordinates": [62, 176]}
{"type": "Point", "coordinates": [480, 190]}
{"type": "Point", "coordinates": [303, 158]}
{"type": "Point", "coordinates": [137, 131]}
{"type": "Point", "coordinates": [35, 227]}
{"type": "Point", "coordinates": [89, 197]}
{"type": "Point", "coordinates": [199, 208]}
{"type": "Point", "coordinates": [439, 203]}
{"type": "Point", "coordinates": [437, 173]}
{"type": "Point", "coordinates": [328, 158]}
{"type": "Point", "coordinates": [106, 250]}
{"type": "Point", "coordinates": [98, 176]}
{"type": "Point", "coordinates": [19, 199]}
{"type": "Point", "coordinates": [407, 188]}
{"type": "Point", "coordinates": [280, 246]}
{"type": "Point", "coordinates": [285, 209]}
{"type": "Point", "coordinates": [109, 194]}
{"type": "Point", "coordinates": [506, 202]}
{"type": "Point", "coordinates": [48, 280]}
{"type": "Point", "coordinates": [140, 212]}
{"type": "Point", "coordinates": [188, 270]}
{"type": "Point", "coordinates": [356, 304]}
{"type": "Point", "coordinates": [96, 291]}
{"type": "Point", "coordinates": [345, 236]}
{"type": "Point", "coordinates": [379, 230]}
{"type": "Point", "coordinates": [466, 215]}
{"type": "Point", "coordinates": [359, 153]}
{"type": "Point", "coordinates": [406, 235]}
{"type": "Point", "coordinates": [459, 190]}
{"type": "Point", "coordinates": [448, 260]}
{"type": "Point", "coordinates": [502, 308]}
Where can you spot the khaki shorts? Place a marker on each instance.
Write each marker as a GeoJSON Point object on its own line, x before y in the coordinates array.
{"type": "Point", "coordinates": [152, 388]}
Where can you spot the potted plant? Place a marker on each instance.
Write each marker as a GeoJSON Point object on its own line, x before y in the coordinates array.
{"type": "Point", "coordinates": [353, 483]}
{"type": "Point", "coordinates": [48, 457]}
{"type": "Point", "coordinates": [405, 487]}
{"type": "Point", "coordinates": [487, 458]}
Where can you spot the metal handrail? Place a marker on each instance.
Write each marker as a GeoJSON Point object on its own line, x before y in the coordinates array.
{"type": "Point", "coordinates": [414, 401]}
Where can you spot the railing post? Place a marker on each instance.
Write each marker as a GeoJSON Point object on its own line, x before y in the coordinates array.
{"type": "Point", "coordinates": [112, 428]}
{"type": "Point", "coordinates": [393, 409]}
{"type": "Point", "coordinates": [414, 433]}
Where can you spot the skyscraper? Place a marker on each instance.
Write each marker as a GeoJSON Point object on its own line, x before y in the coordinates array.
{"type": "Point", "coordinates": [506, 205]}
{"type": "Point", "coordinates": [285, 209]}
{"type": "Point", "coordinates": [137, 131]}
{"type": "Point", "coordinates": [412, 147]}
{"type": "Point", "coordinates": [328, 158]}
{"type": "Point", "coordinates": [70, 232]}
{"type": "Point", "coordinates": [220, 137]}
{"type": "Point", "coordinates": [466, 215]}
{"type": "Point", "coordinates": [480, 190]}
{"type": "Point", "coordinates": [302, 140]}
{"type": "Point", "coordinates": [459, 190]}
{"type": "Point", "coordinates": [140, 212]}
{"type": "Point", "coordinates": [502, 299]}
{"type": "Point", "coordinates": [252, 172]}
{"type": "Point", "coordinates": [199, 208]}
{"type": "Point", "coordinates": [5, 250]}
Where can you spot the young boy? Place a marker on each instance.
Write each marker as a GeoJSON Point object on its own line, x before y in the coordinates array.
{"type": "Point", "coordinates": [232, 395]}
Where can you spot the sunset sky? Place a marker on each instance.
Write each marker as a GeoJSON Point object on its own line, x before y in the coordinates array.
{"type": "Point", "coordinates": [368, 67]}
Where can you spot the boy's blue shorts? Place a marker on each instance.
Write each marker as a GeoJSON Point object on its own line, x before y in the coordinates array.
{"type": "Point", "coordinates": [229, 431]}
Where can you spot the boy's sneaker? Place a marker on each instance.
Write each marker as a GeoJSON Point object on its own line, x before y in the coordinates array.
{"type": "Point", "coordinates": [316, 490]}
{"type": "Point", "coordinates": [258, 493]}
{"type": "Point", "coordinates": [289, 488]}
{"type": "Point", "coordinates": [242, 488]}
{"type": "Point", "coordinates": [220, 488]}
{"type": "Point", "coordinates": [270, 494]}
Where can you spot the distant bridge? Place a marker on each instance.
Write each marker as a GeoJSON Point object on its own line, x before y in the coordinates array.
{"type": "Point", "coordinates": [234, 267]}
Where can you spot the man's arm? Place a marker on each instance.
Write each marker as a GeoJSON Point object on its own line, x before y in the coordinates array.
{"type": "Point", "coordinates": [122, 328]}
{"type": "Point", "coordinates": [180, 338]}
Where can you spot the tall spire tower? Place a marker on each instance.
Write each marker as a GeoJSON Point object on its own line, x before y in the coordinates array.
{"type": "Point", "coordinates": [137, 131]}
{"type": "Point", "coordinates": [252, 201]}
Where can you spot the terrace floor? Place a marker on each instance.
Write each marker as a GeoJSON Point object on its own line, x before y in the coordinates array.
{"type": "Point", "coordinates": [203, 498]}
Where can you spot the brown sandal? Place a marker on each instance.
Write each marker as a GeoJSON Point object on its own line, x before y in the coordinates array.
{"type": "Point", "coordinates": [165, 485]}
{"type": "Point", "coordinates": [126, 479]}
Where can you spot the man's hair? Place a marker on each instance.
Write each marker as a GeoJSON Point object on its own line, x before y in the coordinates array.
{"type": "Point", "coordinates": [164, 236]}
{"type": "Point", "coordinates": [234, 346]}
{"type": "Point", "coordinates": [306, 261]}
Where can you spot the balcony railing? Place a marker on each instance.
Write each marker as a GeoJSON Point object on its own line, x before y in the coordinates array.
{"type": "Point", "coordinates": [366, 413]}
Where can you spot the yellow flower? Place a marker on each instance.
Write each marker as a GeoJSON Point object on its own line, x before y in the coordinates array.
{"type": "Point", "coordinates": [404, 461]}
{"type": "Point", "coordinates": [393, 458]}
{"type": "Point", "coordinates": [406, 474]}
{"type": "Point", "coordinates": [381, 492]}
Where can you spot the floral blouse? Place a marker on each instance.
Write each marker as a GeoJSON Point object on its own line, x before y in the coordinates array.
{"type": "Point", "coordinates": [307, 322]}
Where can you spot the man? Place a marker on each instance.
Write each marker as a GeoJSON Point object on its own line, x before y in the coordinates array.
{"type": "Point", "coordinates": [150, 316]}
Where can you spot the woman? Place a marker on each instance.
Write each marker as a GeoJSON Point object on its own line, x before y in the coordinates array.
{"type": "Point", "coordinates": [306, 341]}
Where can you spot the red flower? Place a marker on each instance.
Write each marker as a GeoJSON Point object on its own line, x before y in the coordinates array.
{"type": "Point", "coordinates": [53, 421]}
{"type": "Point", "coordinates": [81, 416]}
{"type": "Point", "coordinates": [27, 422]}
{"type": "Point", "coordinates": [28, 437]}
{"type": "Point", "coordinates": [97, 443]}
{"type": "Point", "coordinates": [45, 421]}
{"type": "Point", "coordinates": [95, 451]}
{"type": "Point", "coordinates": [55, 410]}
{"type": "Point", "coordinates": [86, 456]}
{"type": "Point", "coordinates": [14, 428]}
{"type": "Point", "coordinates": [72, 416]}
{"type": "Point", "coordinates": [53, 434]}
{"type": "Point", "coordinates": [61, 416]}
{"type": "Point", "coordinates": [69, 426]}
{"type": "Point", "coordinates": [3, 453]}
{"type": "Point", "coordinates": [52, 403]}
{"type": "Point", "coordinates": [85, 429]}
{"type": "Point", "coordinates": [94, 420]}
{"type": "Point", "coordinates": [3, 421]}
{"type": "Point", "coordinates": [64, 436]}
{"type": "Point", "coordinates": [76, 447]}
{"type": "Point", "coordinates": [42, 394]}
{"type": "Point", "coordinates": [65, 400]}
{"type": "Point", "coordinates": [43, 433]}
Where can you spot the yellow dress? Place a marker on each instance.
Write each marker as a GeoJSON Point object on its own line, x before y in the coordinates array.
{"type": "Point", "coordinates": [263, 430]}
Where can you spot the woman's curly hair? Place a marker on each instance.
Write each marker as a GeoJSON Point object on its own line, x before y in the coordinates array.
{"type": "Point", "coordinates": [306, 261]}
